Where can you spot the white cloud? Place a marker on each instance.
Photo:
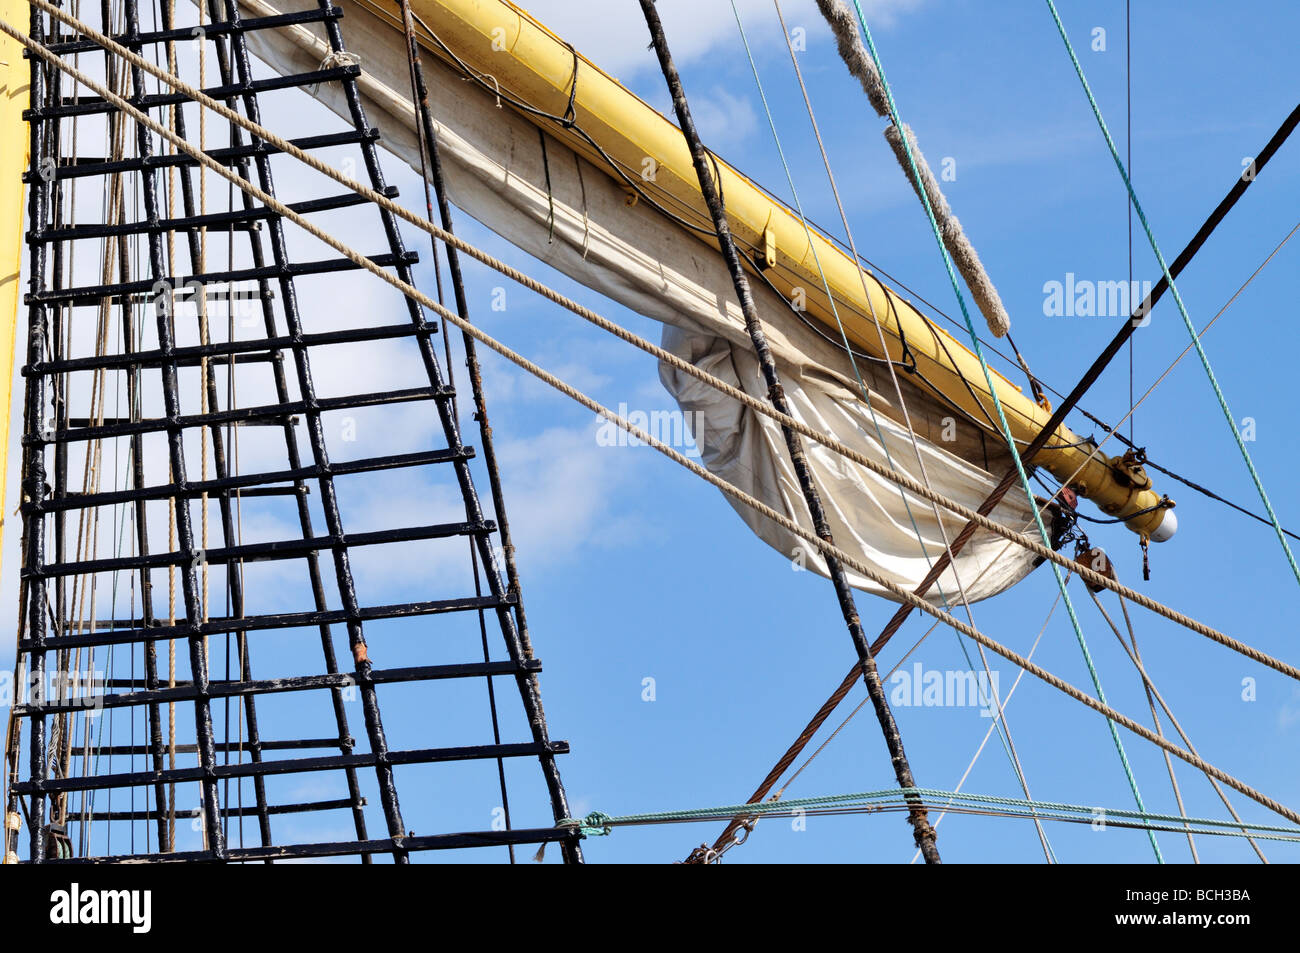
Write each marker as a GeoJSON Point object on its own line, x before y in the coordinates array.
{"type": "Point", "coordinates": [723, 119]}
{"type": "Point", "coordinates": [564, 493]}
{"type": "Point", "coordinates": [617, 40]}
{"type": "Point", "coordinates": [1288, 715]}
{"type": "Point", "coordinates": [561, 490]}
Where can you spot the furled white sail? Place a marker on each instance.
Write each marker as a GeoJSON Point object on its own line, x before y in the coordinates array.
{"type": "Point", "coordinates": [584, 227]}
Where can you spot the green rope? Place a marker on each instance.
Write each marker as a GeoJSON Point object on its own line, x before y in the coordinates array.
{"type": "Point", "coordinates": [598, 824]}
{"type": "Point", "coordinates": [1002, 421]}
{"type": "Point", "coordinates": [990, 704]}
{"type": "Point", "coordinates": [866, 394]}
{"type": "Point", "coordinates": [1178, 299]}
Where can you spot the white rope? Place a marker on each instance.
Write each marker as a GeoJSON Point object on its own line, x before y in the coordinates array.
{"type": "Point", "coordinates": [665, 356]}
{"type": "Point", "coordinates": [989, 734]}
{"type": "Point", "coordinates": [959, 246]}
{"type": "Point", "coordinates": [828, 549]}
{"type": "Point", "coordinates": [1004, 729]}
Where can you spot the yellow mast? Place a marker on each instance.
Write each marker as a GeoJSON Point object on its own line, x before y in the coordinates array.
{"type": "Point", "coordinates": [509, 49]}
{"type": "Point", "coordinates": [14, 88]}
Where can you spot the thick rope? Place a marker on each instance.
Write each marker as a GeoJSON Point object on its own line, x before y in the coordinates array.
{"type": "Point", "coordinates": [551, 380]}
{"type": "Point", "coordinates": [1178, 298]}
{"type": "Point", "coordinates": [1093, 674]}
{"type": "Point", "coordinates": [1004, 728]}
{"type": "Point", "coordinates": [926, 185]}
{"type": "Point", "coordinates": [758, 406]}
{"type": "Point", "coordinates": [711, 191]}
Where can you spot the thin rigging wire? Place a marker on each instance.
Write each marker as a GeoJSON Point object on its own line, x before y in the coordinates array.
{"type": "Point", "coordinates": [1014, 685]}
{"type": "Point", "coordinates": [1178, 300]}
{"type": "Point", "coordinates": [1007, 743]}
{"type": "Point", "coordinates": [1006, 429]}
{"type": "Point", "coordinates": [248, 187]}
{"type": "Point", "coordinates": [1128, 145]}
{"type": "Point", "coordinates": [654, 350]}
{"type": "Point", "coordinates": [1148, 688]}
{"type": "Point", "coordinates": [1051, 855]}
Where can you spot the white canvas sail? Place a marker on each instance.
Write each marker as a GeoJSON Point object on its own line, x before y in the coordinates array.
{"type": "Point", "coordinates": [584, 227]}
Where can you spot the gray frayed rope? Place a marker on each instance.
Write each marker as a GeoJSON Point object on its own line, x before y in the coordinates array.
{"type": "Point", "coordinates": [963, 253]}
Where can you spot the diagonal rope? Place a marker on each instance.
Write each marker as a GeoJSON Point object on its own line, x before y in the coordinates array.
{"type": "Point", "coordinates": [1002, 421]}
{"type": "Point", "coordinates": [1178, 299]}
{"type": "Point", "coordinates": [551, 380]}
{"type": "Point", "coordinates": [983, 522]}
{"type": "Point", "coordinates": [1004, 731]}
{"type": "Point", "coordinates": [356, 258]}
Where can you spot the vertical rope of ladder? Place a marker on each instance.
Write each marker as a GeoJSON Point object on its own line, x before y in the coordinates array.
{"type": "Point", "coordinates": [188, 553]}
{"type": "Point", "coordinates": [329, 504]}
{"type": "Point", "coordinates": [346, 743]}
{"type": "Point", "coordinates": [529, 689]}
{"type": "Point", "coordinates": [428, 142]}
{"type": "Point", "coordinates": [220, 457]}
{"type": "Point", "coordinates": [33, 483]}
{"type": "Point", "coordinates": [917, 814]}
{"type": "Point", "coordinates": [1002, 422]}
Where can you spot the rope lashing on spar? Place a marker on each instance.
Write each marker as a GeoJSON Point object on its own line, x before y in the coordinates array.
{"type": "Point", "coordinates": [595, 824]}
{"type": "Point", "coordinates": [1164, 504]}
{"type": "Point", "coordinates": [334, 60]}
{"type": "Point", "coordinates": [280, 208]}
{"type": "Point", "coordinates": [859, 62]}
{"type": "Point", "coordinates": [758, 406]}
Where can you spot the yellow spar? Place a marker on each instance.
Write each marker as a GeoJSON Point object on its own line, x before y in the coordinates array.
{"type": "Point", "coordinates": [502, 42]}
{"type": "Point", "coordinates": [496, 39]}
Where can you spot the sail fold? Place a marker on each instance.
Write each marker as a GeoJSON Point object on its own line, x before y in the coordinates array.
{"type": "Point", "coordinates": [553, 203]}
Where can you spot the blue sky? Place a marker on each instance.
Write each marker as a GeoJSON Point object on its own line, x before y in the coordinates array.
{"type": "Point", "coordinates": [633, 569]}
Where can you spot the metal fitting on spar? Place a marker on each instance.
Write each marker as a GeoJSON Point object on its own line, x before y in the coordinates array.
{"type": "Point", "coordinates": [531, 63]}
{"type": "Point", "coordinates": [1119, 486]}
{"type": "Point", "coordinates": [1129, 469]}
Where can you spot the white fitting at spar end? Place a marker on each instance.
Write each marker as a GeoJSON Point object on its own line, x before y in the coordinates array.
{"type": "Point", "coordinates": [1167, 528]}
